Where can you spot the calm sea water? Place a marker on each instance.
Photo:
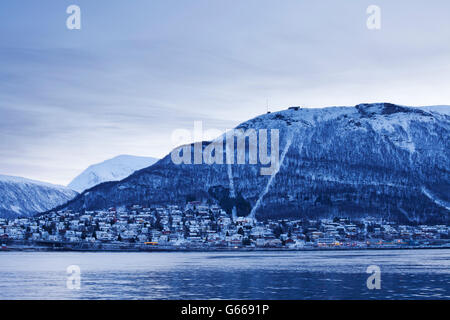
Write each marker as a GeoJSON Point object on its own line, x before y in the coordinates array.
{"type": "Point", "coordinates": [409, 274]}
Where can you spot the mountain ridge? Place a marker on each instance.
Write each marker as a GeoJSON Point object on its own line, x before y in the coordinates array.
{"type": "Point", "coordinates": [371, 159]}
{"type": "Point", "coordinates": [25, 197]}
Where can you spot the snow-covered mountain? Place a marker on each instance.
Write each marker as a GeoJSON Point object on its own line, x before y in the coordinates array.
{"type": "Point", "coordinates": [379, 159]}
{"type": "Point", "coordinates": [440, 109]}
{"type": "Point", "coordinates": [113, 169]}
{"type": "Point", "coordinates": [24, 197]}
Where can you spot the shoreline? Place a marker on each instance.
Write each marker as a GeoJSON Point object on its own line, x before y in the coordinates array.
{"type": "Point", "coordinates": [216, 250]}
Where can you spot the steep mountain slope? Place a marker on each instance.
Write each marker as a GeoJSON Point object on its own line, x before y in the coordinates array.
{"type": "Point", "coordinates": [114, 169]}
{"type": "Point", "coordinates": [24, 197]}
{"type": "Point", "coordinates": [380, 159]}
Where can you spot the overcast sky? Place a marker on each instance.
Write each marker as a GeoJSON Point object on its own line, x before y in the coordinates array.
{"type": "Point", "coordinates": [137, 70]}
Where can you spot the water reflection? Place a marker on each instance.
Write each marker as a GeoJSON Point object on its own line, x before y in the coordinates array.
{"type": "Point", "coordinates": [411, 274]}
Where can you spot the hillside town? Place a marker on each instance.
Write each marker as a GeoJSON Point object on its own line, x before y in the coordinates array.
{"type": "Point", "coordinates": [207, 227]}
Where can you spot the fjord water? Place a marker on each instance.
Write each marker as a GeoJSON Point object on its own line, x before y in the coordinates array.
{"type": "Point", "coordinates": [405, 274]}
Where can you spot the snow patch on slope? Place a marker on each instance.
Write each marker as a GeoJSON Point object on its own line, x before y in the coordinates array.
{"type": "Point", "coordinates": [269, 183]}
{"type": "Point", "coordinates": [435, 199]}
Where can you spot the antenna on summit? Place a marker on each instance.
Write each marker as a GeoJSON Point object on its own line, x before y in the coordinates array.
{"type": "Point", "coordinates": [267, 105]}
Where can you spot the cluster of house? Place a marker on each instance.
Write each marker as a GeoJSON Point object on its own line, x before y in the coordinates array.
{"type": "Point", "coordinates": [199, 225]}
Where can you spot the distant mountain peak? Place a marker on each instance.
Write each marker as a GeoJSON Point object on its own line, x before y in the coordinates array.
{"type": "Point", "coordinates": [442, 109]}
{"type": "Point", "coordinates": [114, 169]}
{"type": "Point", "coordinates": [23, 197]}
